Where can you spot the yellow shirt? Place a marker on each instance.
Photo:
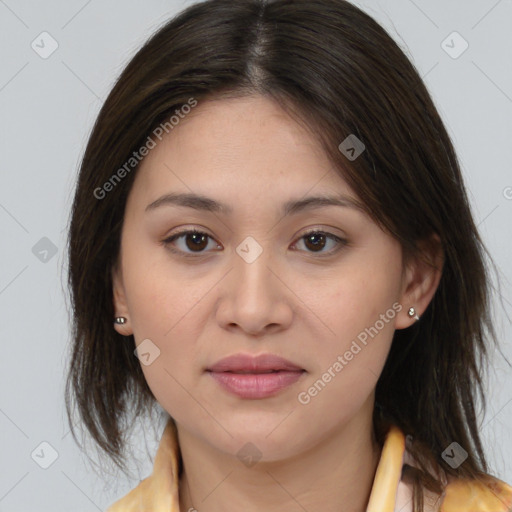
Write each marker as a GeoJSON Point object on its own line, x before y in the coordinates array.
{"type": "Point", "coordinates": [159, 491]}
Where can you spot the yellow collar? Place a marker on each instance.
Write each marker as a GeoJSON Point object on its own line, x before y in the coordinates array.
{"type": "Point", "coordinates": [159, 491]}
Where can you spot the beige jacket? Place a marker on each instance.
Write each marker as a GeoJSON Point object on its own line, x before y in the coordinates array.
{"type": "Point", "coordinates": [390, 493]}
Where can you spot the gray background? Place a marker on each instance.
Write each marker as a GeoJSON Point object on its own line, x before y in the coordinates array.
{"type": "Point", "coordinates": [48, 107]}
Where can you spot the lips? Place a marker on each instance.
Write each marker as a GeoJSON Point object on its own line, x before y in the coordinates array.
{"type": "Point", "coordinates": [251, 377]}
{"type": "Point", "coordinates": [264, 363]}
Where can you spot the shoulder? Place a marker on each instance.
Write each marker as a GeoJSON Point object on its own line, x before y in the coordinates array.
{"type": "Point", "coordinates": [159, 491]}
{"type": "Point", "coordinates": [460, 495]}
{"type": "Point", "coordinates": [487, 494]}
{"type": "Point", "coordinates": [483, 494]}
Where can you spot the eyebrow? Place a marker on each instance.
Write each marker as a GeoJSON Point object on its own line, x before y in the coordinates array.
{"type": "Point", "coordinates": [294, 206]}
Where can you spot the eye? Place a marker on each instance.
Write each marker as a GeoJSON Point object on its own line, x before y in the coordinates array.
{"type": "Point", "coordinates": [195, 242]}
{"type": "Point", "coordinates": [317, 240]}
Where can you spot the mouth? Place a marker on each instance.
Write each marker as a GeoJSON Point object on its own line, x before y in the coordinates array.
{"type": "Point", "coordinates": [245, 363]}
{"type": "Point", "coordinates": [256, 385]}
{"type": "Point", "coordinates": [251, 377]}
{"type": "Point", "coordinates": [250, 372]}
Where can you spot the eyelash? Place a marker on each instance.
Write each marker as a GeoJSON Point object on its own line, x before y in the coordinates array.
{"type": "Point", "coordinates": [167, 242]}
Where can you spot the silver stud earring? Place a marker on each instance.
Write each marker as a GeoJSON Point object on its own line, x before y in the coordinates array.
{"type": "Point", "coordinates": [412, 313]}
{"type": "Point", "coordinates": [120, 320]}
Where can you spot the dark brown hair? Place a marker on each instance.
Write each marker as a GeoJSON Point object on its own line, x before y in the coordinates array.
{"type": "Point", "coordinates": [339, 72]}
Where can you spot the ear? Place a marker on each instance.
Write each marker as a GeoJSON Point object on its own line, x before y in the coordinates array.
{"type": "Point", "coordinates": [120, 303]}
{"type": "Point", "coordinates": [420, 280]}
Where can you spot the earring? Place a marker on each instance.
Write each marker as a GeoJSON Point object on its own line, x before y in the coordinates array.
{"type": "Point", "coordinates": [120, 320]}
{"type": "Point", "coordinates": [412, 313]}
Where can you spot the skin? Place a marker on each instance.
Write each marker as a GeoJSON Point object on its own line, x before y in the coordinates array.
{"type": "Point", "coordinates": [291, 301]}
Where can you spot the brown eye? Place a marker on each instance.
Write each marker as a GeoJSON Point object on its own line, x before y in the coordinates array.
{"type": "Point", "coordinates": [193, 242]}
{"type": "Point", "coordinates": [316, 241]}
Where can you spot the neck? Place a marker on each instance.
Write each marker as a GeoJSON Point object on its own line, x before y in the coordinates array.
{"type": "Point", "coordinates": [335, 475]}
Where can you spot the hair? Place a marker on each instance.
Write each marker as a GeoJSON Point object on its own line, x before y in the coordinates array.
{"type": "Point", "coordinates": [338, 72]}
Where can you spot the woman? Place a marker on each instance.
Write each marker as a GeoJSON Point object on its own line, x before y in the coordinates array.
{"type": "Point", "coordinates": [271, 241]}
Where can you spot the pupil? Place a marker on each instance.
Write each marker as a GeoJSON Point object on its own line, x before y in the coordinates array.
{"type": "Point", "coordinates": [197, 237]}
{"type": "Point", "coordinates": [316, 244]}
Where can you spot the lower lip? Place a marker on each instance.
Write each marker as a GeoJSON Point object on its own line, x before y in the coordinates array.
{"type": "Point", "coordinates": [256, 385]}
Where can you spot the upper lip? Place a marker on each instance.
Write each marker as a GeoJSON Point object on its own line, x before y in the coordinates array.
{"type": "Point", "coordinates": [253, 364]}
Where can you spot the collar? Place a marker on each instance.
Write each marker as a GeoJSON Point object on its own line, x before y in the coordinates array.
{"type": "Point", "coordinates": [390, 493]}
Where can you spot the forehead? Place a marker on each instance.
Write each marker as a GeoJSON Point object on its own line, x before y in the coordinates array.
{"type": "Point", "coordinates": [238, 147]}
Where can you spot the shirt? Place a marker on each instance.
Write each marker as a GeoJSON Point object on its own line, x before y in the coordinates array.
{"type": "Point", "coordinates": [390, 492]}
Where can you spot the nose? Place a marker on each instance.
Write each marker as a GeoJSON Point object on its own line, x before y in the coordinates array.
{"type": "Point", "coordinates": [254, 297]}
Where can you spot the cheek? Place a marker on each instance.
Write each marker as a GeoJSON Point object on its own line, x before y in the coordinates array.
{"type": "Point", "coordinates": [357, 298]}
{"type": "Point", "coordinates": [166, 309]}
{"type": "Point", "coordinates": [160, 295]}
{"type": "Point", "coordinates": [360, 310]}
{"type": "Point", "coordinates": [168, 320]}
{"type": "Point", "coordinates": [349, 366]}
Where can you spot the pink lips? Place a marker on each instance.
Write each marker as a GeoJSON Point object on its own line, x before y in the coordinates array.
{"type": "Point", "coordinates": [255, 377]}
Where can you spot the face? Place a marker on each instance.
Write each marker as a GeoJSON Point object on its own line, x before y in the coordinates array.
{"type": "Point", "coordinates": [321, 286]}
